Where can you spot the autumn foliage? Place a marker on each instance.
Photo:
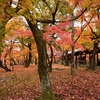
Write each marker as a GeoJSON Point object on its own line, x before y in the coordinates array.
{"type": "Point", "coordinates": [58, 33]}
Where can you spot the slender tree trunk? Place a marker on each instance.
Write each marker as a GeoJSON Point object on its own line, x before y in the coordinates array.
{"type": "Point", "coordinates": [66, 57]}
{"type": "Point", "coordinates": [72, 55]}
{"type": "Point", "coordinates": [72, 62]}
{"type": "Point", "coordinates": [51, 60]}
{"type": "Point", "coordinates": [28, 60]}
{"type": "Point", "coordinates": [12, 60]}
{"type": "Point", "coordinates": [76, 61]}
{"type": "Point", "coordinates": [4, 66]}
{"type": "Point", "coordinates": [54, 57]}
{"type": "Point", "coordinates": [92, 61]}
{"type": "Point", "coordinates": [29, 57]}
{"type": "Point", "coordinates": [62, 58]}
{"type": "Point", "coordinates": [42, 64]}
{"type": "Point", "coordinates": [35, 60]}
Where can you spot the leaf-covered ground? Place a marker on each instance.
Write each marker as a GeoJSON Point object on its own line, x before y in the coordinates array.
{"type": "Point", "coordinates": [23, 84]}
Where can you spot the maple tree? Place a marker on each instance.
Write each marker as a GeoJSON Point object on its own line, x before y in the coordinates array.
{"type": "Point", "coordinates": [26, 39]}
{"type": "Point", "coordinates": [93, 18]}
{"type": "Point", "coordinates": [34, 13]}
{"type": "Point", "coordinates": [72, 19]}
{"type": "Point", "coordinates": [19, 29]}
{"type": "Point", "coordinates": [7, 51]}
{"type": "Point", "coordinates": [57, 36]}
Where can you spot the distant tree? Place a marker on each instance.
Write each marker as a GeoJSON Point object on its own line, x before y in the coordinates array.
{"type": "Point", "coordinates": [26, 39]}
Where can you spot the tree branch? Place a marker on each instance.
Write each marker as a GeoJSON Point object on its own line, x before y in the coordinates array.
{"type": "Point", "coordinates": [54, 14]}
{"type": "Point", "coordinates": [84, 27]}
{"type": "Point", "coordinates": [51, 21]}
{"type": "Point", "coordinates": [76, 17]}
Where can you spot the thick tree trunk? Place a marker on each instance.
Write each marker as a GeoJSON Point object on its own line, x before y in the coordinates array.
{"type": "Point", "coordinates": [42, 63]}
{"type": "Point", "coordinates": [92, 60]}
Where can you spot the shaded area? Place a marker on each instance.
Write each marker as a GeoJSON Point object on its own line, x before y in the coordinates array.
{"type": "Point", "coordinates": [84, 57]}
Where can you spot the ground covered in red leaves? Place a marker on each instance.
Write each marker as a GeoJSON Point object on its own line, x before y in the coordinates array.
{"type": "Point", "coordinates": [23, 83]}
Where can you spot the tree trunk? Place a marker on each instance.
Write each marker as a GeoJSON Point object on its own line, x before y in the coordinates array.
{"type": "Point", "coordinates": [51, 60]}
{"type": "Point", "coordinates": [42, 63]}
{"type": "Point", "coordinates": [72, 55]}
{"type": "Point", "coordinates": [29, 57]}
{"type": "Point", "coordinates": [76, 61]}
{"type": "Point", "coordinates": [62, 58]}
{"type": "Point", "coordinates": [35, 60]}
{"type": "Point", "coordinates": [72, 62]}
{"type": "Point", "coordinates": [92, 60]}
{"type": "Point", "coordinates": [4, 67]}
{"type": "Point", "coordinates": [66, 58]}
{"type": "Point", "coordinates": [54, 58]}
{"type": "Point", "coordinates": [28, 60]}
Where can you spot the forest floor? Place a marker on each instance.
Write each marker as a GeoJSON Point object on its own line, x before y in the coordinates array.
{"type": "Point", "coordinates": [23, 83]}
